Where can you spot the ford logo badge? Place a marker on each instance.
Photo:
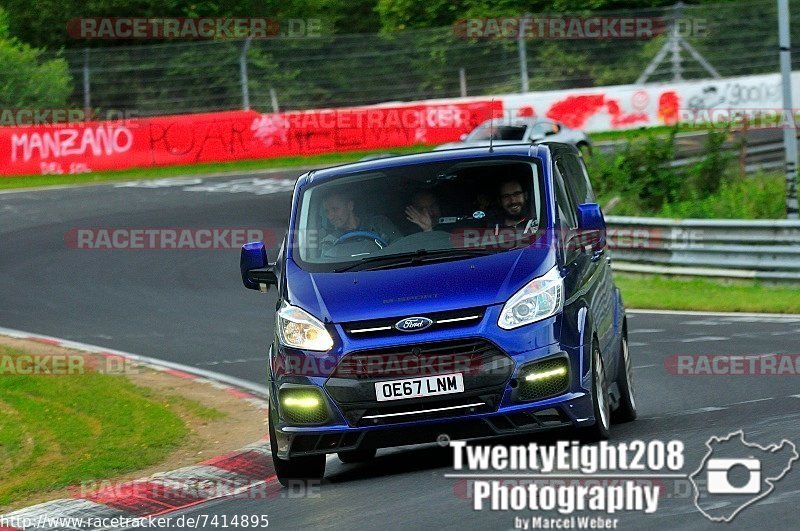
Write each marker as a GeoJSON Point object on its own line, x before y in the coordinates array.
{"type": "Point", "coordinates": [413, 324]}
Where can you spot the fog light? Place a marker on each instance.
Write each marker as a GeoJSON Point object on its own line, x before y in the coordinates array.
{"type": "Point", "coordinates": [542, 375]}
{"type": "Point", "coordinates": [303, 405]}
{"type": "Point", "coordinates": [543, 379]}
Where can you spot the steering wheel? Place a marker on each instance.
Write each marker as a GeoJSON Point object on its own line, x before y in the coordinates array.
{"type": "Point", "coordinates": [362, 234]}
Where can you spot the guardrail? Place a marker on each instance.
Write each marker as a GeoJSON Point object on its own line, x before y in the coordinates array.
{"type": "Point", "coordinates": [755, 249]}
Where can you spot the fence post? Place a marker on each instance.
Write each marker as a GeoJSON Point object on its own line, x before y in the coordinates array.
{"type": "Point", "coordinates": [274, 97]}
{"type": "Point", "coordinates": [87, 95]}
{"type": "Point", "coordinates": [789, 135]}
{"type": "Point", "coordinates": [523, 55]}
{"type": "Point", "coordinates": [462, 81]}
{"type": "Point", "coordinates": [243, 74]}
{"type": "Point", "coordinates": [743, 147]}
{"type": "Point", "coordinates": [677, 68]}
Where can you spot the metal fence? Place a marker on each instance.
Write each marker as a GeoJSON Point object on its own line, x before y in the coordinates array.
{"type": "Point", "coordinates": [754, 150]}
{"type": "Point", "coordinates": [755, 249]}
{"type": "Point", "coordinates": [342, 70]}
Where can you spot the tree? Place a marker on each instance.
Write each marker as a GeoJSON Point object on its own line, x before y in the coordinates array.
{"type": "Point", "coordinates": [26, 80]}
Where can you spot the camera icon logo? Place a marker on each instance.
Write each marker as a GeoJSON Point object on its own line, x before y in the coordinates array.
{"type": "Point", "coordinates": [736, 473]}
{"type": "Point", "coordinates": [718, 476]}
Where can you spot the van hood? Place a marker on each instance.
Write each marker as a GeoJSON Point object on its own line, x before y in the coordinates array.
{"type": "Point", "coordinates": [416, 290]}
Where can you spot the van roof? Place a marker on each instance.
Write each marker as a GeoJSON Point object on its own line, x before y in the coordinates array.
{"type": "Point", "coordinates": [525, 149]}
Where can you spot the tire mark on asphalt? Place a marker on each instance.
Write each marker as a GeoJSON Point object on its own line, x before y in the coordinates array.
{"type": "Point", "coordinates": [712, 409]}
{"type": "Point", "coordinates": [703, 338]}
{"type": "Point", "coordinates": [228, 362]}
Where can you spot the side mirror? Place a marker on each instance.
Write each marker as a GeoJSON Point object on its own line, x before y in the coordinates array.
{"type": "Point", "coordinates": [592, 226]}
{"type": "Point", "coordinates": [257, 273]}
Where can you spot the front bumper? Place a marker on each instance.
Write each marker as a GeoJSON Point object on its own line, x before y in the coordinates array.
{"type": "Point", "coordinates": [357, 421]}
{"type": "Point", "coordinates": [569, 410]}
{"type": "Point", "coordinates": [502, 414]}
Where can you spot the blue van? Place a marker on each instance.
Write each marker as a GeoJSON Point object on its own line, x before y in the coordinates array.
{"type": "Point", "coordinates": [455, 294]}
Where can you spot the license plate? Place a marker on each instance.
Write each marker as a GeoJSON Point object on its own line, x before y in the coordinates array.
{"type": "Point", "coordinates": [443, 384]}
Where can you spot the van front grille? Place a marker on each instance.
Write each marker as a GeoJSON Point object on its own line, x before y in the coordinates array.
{"type": "Point", "coordinates": [439, 321]}
{"type": "Point", "coordinates": [485, 369]}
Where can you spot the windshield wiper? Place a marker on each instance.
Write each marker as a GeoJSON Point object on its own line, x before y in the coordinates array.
{"type": "Point", "coordinates": [414, 257]}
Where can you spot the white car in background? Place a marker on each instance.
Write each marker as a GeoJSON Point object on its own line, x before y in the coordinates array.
{"type": "Point", "coordinates": [533, 130]}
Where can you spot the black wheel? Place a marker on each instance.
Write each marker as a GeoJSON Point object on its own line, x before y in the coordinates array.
{"type": "Point", "coordinates": [357, 456]}
{"type": "Point", "coordinates": [602, 413]}
{"type": "Point", "coordinates": [298, 469]}
{"type": "Point", "coordinates": [626, 411]}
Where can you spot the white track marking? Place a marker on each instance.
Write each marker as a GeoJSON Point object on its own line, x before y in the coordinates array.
{"type": "Point", "coordinates": [697, 411]}
{"type": "Point", "coordinates": [228, 362]}
{"type": "Point", "coordinates": [706, 322]}
{"type": "Point", "coordinates": [753, 401]}
{"type": "Point", "coordinates": [159, 183]}
{"type": "Point", "coordinates": [251, 186]}
{"type": "Point", "coordinates": [793, 317]}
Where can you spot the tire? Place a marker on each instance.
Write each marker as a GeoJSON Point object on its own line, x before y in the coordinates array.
{"type": "Point", "coordinates": [626, 411]}
{"type": "Point", "coordinates": [357, 456]}
{"type": "Point", "coordinates": [600, 431]}
{"type": "Point", "coordinates": [298, 469]}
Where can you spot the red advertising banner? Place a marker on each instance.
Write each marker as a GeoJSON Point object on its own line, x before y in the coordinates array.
{"type": "Point", "coordinates": [227, 136]}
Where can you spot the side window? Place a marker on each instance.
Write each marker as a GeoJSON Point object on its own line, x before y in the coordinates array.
{"type": "Point", "coordinates": [567, 209]}
{"type": "Point", "coordinates": [576, 178]}
{"type": "Point", "coordinates": [544, 128]}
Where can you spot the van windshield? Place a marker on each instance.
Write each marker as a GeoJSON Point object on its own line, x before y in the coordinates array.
{"type": "Point", "coordinates": [409, 215]}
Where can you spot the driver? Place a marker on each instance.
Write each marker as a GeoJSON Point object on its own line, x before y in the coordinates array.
{"type": "Point", "coordinates": [340, 211]}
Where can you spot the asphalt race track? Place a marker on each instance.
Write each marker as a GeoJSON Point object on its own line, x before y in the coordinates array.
{"type": "Point", "coordinates": [189, 306]}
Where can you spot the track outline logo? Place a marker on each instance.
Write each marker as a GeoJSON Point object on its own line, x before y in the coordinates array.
{"type": "Point", "coordinates": [768, 480]}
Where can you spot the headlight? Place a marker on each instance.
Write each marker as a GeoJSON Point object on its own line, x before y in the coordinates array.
{"type": "Point", "coordinates": [299, 329]}
{"type": "Point", "coordinates": [540, 298]}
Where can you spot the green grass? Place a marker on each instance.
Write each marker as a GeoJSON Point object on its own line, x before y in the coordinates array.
{"type": "Point", "coordinates": [682, 293]}
{"type": "Point", "coordinates": [61, 430]}
{"type": "Point", "coordinates": [757, 196]}
{"type": "Point", "coordinates": [629, 134]}
{"type": "Point", "coordinates": [161, 172]}
{"type": "Point", "coordinates": [195, 408]}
